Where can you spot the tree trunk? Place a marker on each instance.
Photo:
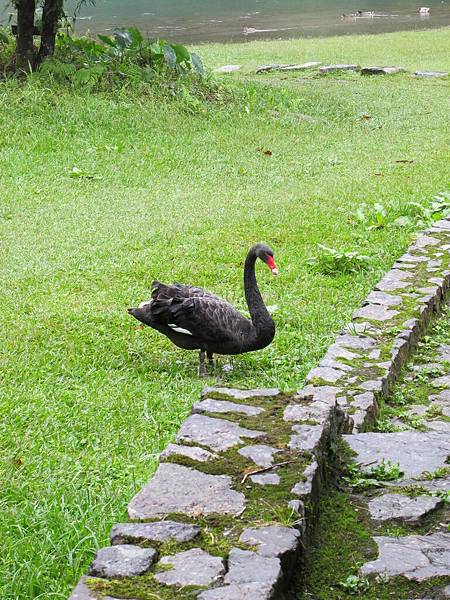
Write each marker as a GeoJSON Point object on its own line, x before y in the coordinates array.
{"type": "Point", "coordinates": [25, 29]}
{"type": "Point", "coordinates": [53, 10]}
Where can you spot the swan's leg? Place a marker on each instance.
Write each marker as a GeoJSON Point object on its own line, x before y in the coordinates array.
{"type": "Point", "coordinates": [210, 359]}
{"type": "Point", "coordinates": [202, 367]}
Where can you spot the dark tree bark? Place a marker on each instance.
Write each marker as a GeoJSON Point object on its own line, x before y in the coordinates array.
{"type": "Point", "coordinates": [52, 11]}
{"type": "Point", "coordinates": [25, 29]}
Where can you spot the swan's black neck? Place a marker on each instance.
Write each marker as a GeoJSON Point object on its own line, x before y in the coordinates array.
{"type": "Point", "coordinates": [262, 321]}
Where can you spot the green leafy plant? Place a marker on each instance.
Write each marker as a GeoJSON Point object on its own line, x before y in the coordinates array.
{"type": "Point", "coordinates": [331, 261]}
{"type": "Point", "coordinates": [360, 480]}
{"type": "Point", "coordinates": [126, 59]}
{"type": "Point", "coordinates": [354, 584]}
{"type": "Point", "coordinates": [375, 216]}
{"type": "Point", "coordinates": [423, 215]}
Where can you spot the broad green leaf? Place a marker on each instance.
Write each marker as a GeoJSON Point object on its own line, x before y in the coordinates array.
{"type": "Point", "coordinates": [197, 63]}
{"type": "Point", "coordinates": [182, 53]}
{"type": "Point", "coordinates": [169, 56]}
{"type": "Point", "coordinates": [109, 40]}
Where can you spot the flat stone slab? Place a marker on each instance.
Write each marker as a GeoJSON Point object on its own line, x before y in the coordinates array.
{"type": "Point", "coordinates": [124, 560]}
{"type": "Point", "coordinates": [178, 489]}
{"type": "Point", "coordinates": [281, 67]}
{"type": "Point", "coordinates": [384, 299]}
{"type": "Point", "coordinates": [443, 381]}
{"type": "Point", "coordinates": [394, 279]}
{"type": "Point", "coordinates": [401, 508]}
{"type": "Point", "coordinates": [240, 394]}
{"type": "Point", "coordinates": [381, 70]}
{"type": "Point", "coordinates": [218, 434]}
{"type": "Point", "coordinates": [328, 374]}
{"type": "Point", "coordinates": [228, 69]}
{"type": "Point", "coordinates": [416, 451]}
{"type": "Point", "coordinates": [266, 479]}
{"type": "Point", "coordinates": [444, 352]}
{"type": "Point", "coordinates": [250, 567]}
{"type": "Point", "coordinates": [357, 342]}
{"type": "Point", "coordinates": [307, 437]}
{"type": "Point", "coordinates": [272, 540]}
{"type": "Point", "coordinates": [193, 567]}
{"type": "Point", "coordinates": [316, 411]}
{"type": "Point", "coordinates": [375, 312]}
{"type": "Point", "coordinates": [224, 406]}
{"type": "Point", "coordinates": [339, 67]}
{"type": "Point", "coordinates": [416, 557]}
{"type": "Point", "coordinates": [82, 592]}
{"type": "Point", "coordinates": [431, 74]}
{"type": "Point", "coordinates": [193, 452]}
{"type": "Point", "coordinates": [253, 591]}
{"type": "Point", "coordinates": [159, 531]}
{"type": "Point", "coordinates": [260, 454]}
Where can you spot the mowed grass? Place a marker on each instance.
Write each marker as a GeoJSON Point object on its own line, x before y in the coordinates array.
{"type": "Point", "coordinates": [88, 397]}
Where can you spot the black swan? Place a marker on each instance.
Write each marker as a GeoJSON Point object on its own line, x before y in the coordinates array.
{"type": "Point", "coordinates": [194, 319]}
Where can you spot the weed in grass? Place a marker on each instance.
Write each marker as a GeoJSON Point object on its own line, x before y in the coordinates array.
{"type": "Point", "coordinates": [331, 262]}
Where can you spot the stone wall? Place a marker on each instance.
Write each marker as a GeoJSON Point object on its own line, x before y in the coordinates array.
{"type": "Point", "coordinates": [227, 513]}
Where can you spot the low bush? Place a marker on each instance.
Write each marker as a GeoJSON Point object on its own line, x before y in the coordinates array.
{"type": "Point", "coordinates": [120, 61]}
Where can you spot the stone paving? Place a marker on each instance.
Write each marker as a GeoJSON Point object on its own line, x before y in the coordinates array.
{"type": "Point", "coordinates": [335, 68]}
{"type": "Point", "coordinates": [413, 434]}
{"type": "Point", "coordinates": [227, 512]}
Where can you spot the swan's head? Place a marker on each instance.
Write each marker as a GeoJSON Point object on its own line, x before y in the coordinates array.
{"type": "Point", "coordinates": [266, 255]}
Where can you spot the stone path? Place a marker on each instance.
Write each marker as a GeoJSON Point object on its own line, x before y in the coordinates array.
{"type": "Point", "coordinates": [334, 68]}
{"type": "Point", "coordinates": [225, 515]}
{"type": "Point", "coordinates": [415, 427]}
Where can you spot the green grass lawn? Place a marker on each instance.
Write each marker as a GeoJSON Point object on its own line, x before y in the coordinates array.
{"type": "Point", "coordinates": [88, 397]}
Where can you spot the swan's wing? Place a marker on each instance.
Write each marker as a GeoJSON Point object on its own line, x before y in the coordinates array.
{"type": "Point", "coordinates": [204, 317]}
{"type": "Point", "coordinates": [175, 290]}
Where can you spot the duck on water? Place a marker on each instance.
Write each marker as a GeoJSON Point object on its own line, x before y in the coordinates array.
{"type": "Point", "coordinates": [195, 319]}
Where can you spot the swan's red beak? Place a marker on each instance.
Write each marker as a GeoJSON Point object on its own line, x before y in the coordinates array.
{"type": "Point", "coordinates": [272, 266]}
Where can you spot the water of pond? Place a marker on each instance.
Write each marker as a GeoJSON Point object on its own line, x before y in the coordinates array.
{"type": "Point", "coordinates": [237, 20]}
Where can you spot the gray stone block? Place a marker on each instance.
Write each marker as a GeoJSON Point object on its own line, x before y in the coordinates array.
{"type": "Point", "coordinates": [381, 70]}
{"type": "Point", "coordinates": [313, 411]}
{"type": "Point", "coordinates": [431, 74]}
{"type": "Point", "coordinates": [375, 312]}
{"type": "Point", "coordinates": [178, 489]}
{"type": "Point", "coordinates": [250, 567]}
{"type": "Point", "coordinates": [338, 67]}
{"type": "Point", "coordinates": [193, 452]}
{"type": "Point", "coordinates": [82, 592]}
{"type": "Point", "coordinates": [193, 567]}
{"type": "Point", "coordinates": [307, 438]}
{"type": "Point", "coordinates": [402, 508]}
{"type": "Point", "coordinates": [124, 560]}
{"type": "Point", "coordinates": [224, 406]}
{"type": "Point", "coordinates": [241, 394]}
{"type": "Point", "coordinates": [272, 540]}
{"type": "Point", "coordinates": [260, 454]}
{"type": "Point", "coordinates": [266, 478]}
{"type": "Point", "coordinates": [217, 434]}
{"type": "Point", "coordinates": [325, 373]}
{"type": "Point", "coordinates": [244, 591]}
{"type": "Point", "coordinates": [394, 279]}
{"type": "Point", "coordinates": [416, 557]}
{"type": "Point", "coordinates": [357, 342]}
{"type": "Point", "coordinates": [384, 299]}
{"type": "Point", "coordinates": [416, 452]}
{"type": "Point", "coordinates": [159, 531]}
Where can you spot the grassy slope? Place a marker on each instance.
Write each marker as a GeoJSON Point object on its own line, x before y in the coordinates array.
{"type": "Point", "coordinates": [89, 398]}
